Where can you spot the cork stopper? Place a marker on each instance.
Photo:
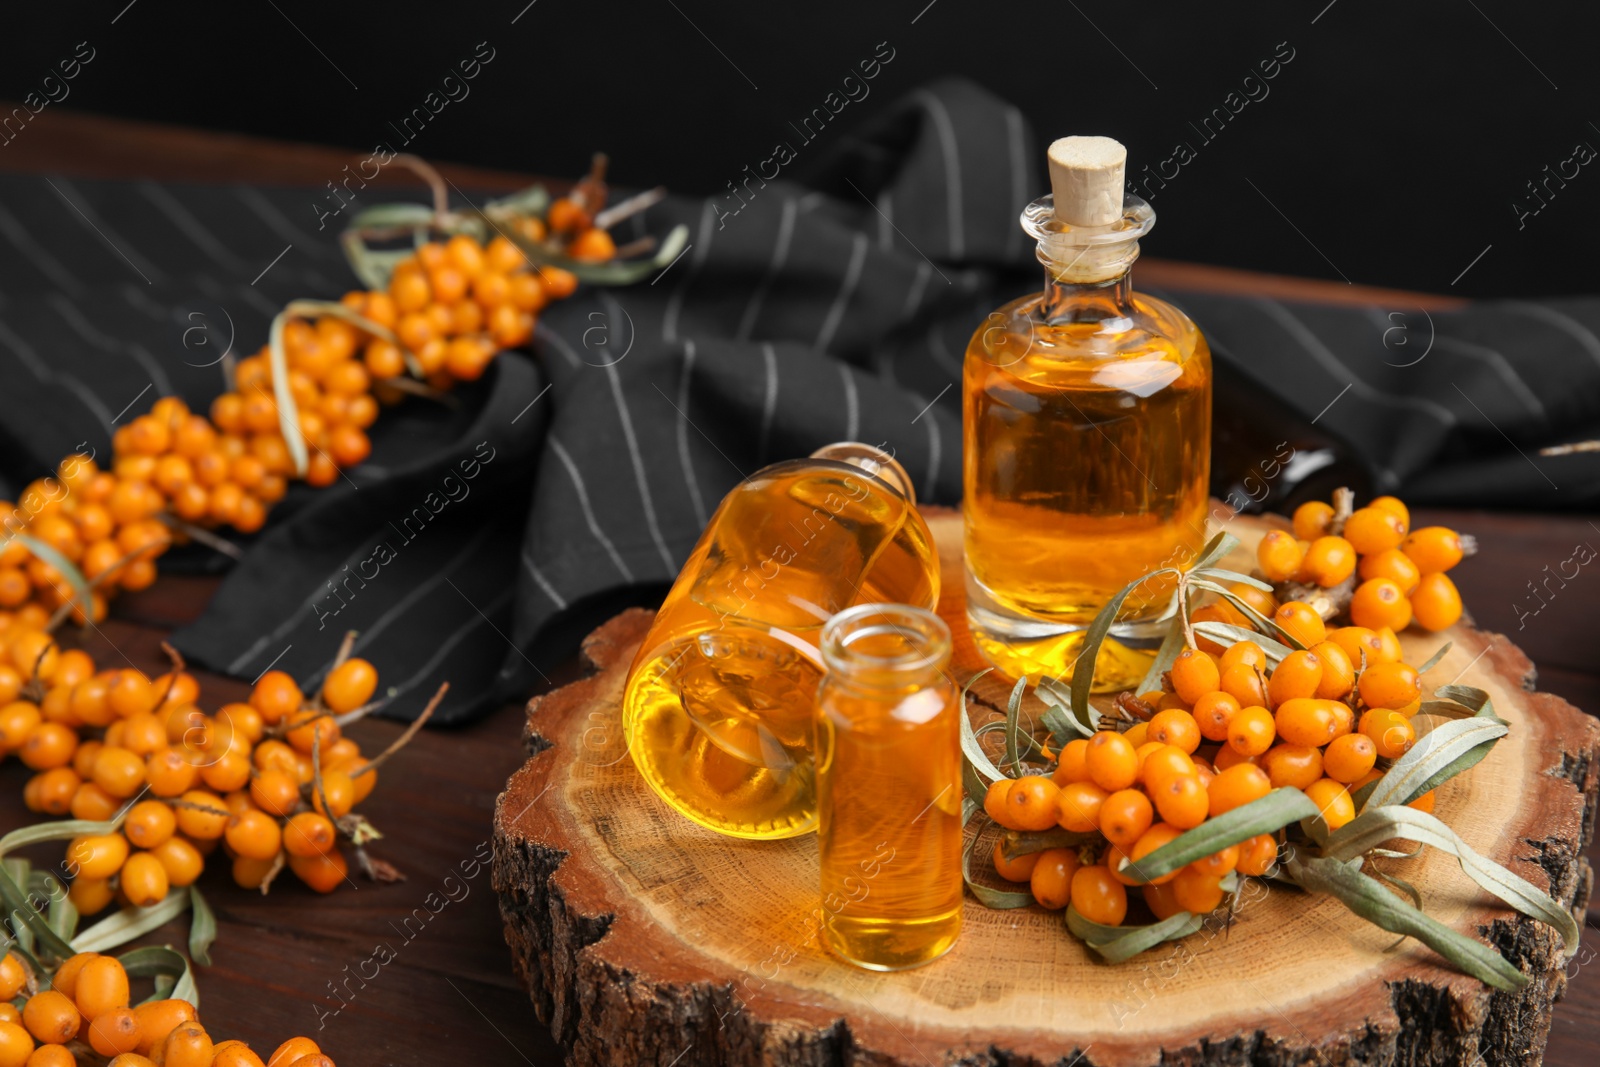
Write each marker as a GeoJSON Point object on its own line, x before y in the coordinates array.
{"type": "Point", "coordinates": [1086, 178]}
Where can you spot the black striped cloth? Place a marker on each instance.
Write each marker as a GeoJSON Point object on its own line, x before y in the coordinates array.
{"type": "Point", "coordinates": [577, 477]}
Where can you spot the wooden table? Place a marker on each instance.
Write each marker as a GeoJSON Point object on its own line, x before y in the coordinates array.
{"type": "Point", "coordinates": [448, 995]}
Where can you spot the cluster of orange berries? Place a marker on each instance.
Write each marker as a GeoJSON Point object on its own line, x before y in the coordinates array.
{"type": "Point", "coordinates": [246, 778]}
{"type": "Point", "coordinates": [1226, 732]}
{"type": "Point", "coordinates": [1401, 570]}
{"type": "Point", "coordinates": [86, 1006]}
{"type": "Point", "coordinates": [570, 219]}
{"type": "Point", "coordinates": [452, 307]}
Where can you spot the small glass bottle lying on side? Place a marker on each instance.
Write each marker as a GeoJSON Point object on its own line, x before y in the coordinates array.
{"type": "Point", "coordinates": [889, 788]}
{"type": "Point", "coordinates": [719, 702]}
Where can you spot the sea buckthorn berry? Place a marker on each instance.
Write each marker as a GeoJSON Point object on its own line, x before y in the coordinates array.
{"type": "Point", "coordinates": [1349, 758]}
{"type": "Point", "coordinates": [1344, 719]}
{"type": "Point", "coordinates": [1305, 721]}
{"type": "Point", "coordinates": [1394, 504]}
{"type": "Point", "coordinates": [93, 804]}
{"type": "Point", "coordinates": [1159, 834]}
{"type": "Point", "coordinates": [1424, 802]}
{"type": "Point", "coordinates": [1329, 561]}
{"type": "Point", "coordinates": [101, 986]}
{"type": "Point", "coordinates": [1338, 673]}
{"type": "Point", "coordinates": [306, 726]}
{"type": "Point", "coordinates": [1212, 714]}
{"type": "Point", "coordinates": [158, 1018]}
{"type": "Point", "coordinates": [1312, 519]}
{"type": "Point", "coordinates": [1373, 530]}
{"type": "Point", "coordinates": [1436, 604]}
{"type": "Point", "coordinates": [1297, 676]}
{"type": "Point", "coordinates": [1389, 650]}
{"type": "Point", "coordinates": [1389, 685]}
{"type": "Point", "coordinates": [1379, 602]}
{"type": "Point", "coordinates": [97, 856]}
{"type": "Point", "coordinates": [1229, 757]}
{"type": "Point", "coordinates": [1112, 761]}
{"type": "Point", "coordinates": [143, 880]}
{"type": "Point", "coordinates": [228, 772]}
{"type": "Point", "coordinates": [277, 793]}
{"type": "Point", "coordinates": [1292, 765]}
{"type": "Point", "coordinates": [187, 1046]}
{"type": "Point", "coordinates": [1070, 766]}
{"type": "Point", "coordinates": [114, 1032]}
{"type": "Point", "coordinates": [1359, 643]}
{"type": "Point", "coordinates": [1246, 683]}
{"type": "Point", "coordinates": [1247, 652]}
{"type": "Point", "coordinates": [1051, 880]}
{"type": "Point", "coordinates": [56, 1056]}
{"type": "Point", "coordinates": [1257, 855]}
{"type": "Point", "coordinates": [1099, 897]}
{"type": "Point", "coordinates": [169, 774]}
{"type": "Point", "coordinates": [55, 789]}
{"type": "Point", "coordinates": [1217, 612]}
{"type": "Point", "coordinates": [1161, 900]}
{"type": "Point", "coordinates": [1078, 808]}
{"type": "Point", "coordinates": [1194, 674]}
{"type": "Point", "coordinates": [1218, 863]}
{"type": "Point", "coordinates": [1279, 555]}
{"type": "Point", "coordinates": [1125, 816]}
{"type": "Point", "coordinates": [1031, 804]}
{"type": "Point", "coordinates": [16, 1045]}
{"type": "Point", "coordinates": [149, 823]}
{"type": "Point", "coordinates": [1137, 735]}
{"type": "Point", "coordinates": [1252, 731]}
{"type": "Point", "coordinates": [1015, 870]}
{"type": "Point", "coordinates": [17, 720]}
{"type": "Point", "coordinates": [994, 801]}
{"type": "Point", "coordinates": [1391, 732]}
{"type": "Point", "coordinates": [1196, 891]}
{"type": "Point", "coordinates": [181, 860]}
{"type": "Point", "coordinates": [51, 745]}
{"type": "Point", "coordinates": [1301, 622]}
{"type": "Point", "coordinates": [1238, 785]}
{"type": "Point", "coordinates": [276, 696]}
{"type": "Point", "coordinates": [1175, 727]}
{"type": "Point", "coordinates": [66, 977]}
{"type": "Point", "coordinates": [1434, 549]}
{"type": "Point", "coordinates": [1333, 800]}
{"type": "Point", "coordinates": [256, 835]}
{"type": "Point", "coordinates": [1182, 801]}
{"type": "Point", "coordinates": [1142, 752]}
{"type": "Point", "coordinates": [323, 872]}
{"type": "Point", "coordinates": [13, 976]}
{"type": "Point", "coordinates": [1394, 565]}
{"type": "Point", "coordinates": [1163, 762]}
{"type": "Point", "coordinates": [235, 1054]}
{"type": "Point", "coordinates": [201, 815]}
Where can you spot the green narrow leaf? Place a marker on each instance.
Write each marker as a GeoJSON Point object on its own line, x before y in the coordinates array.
{"type": "Point", "coordinates": [398, 215]}
{"type": "Point", "coordinates": [1217, 574]}
{"type": "Point", "coordinates": [59, 830]}
{"type": "Point", "coordinates": [973, 756]}
{"type": "Point", "coordinates": [533, 200]}
{"type": "Point", "coordinates": [1227, 633]}
{"type": "Point", "coordinates": [1378, 824]}
{"type": "Point", "coordinates": [375, 267]}
{"type": "Point", "coordinates": [1469, 696]}
{"type": "Point", "coordinates": [1089, 654]}
{"type": "Point", "coordinates": [1432, 759]}
{"type": "Point", "coordinates": [1272, 812]}
{"type": "Point", "coordinates": [1014, 725]}
{"type": "Point", "coordinates": [1215, 551]}
{"type": "Point", "coordinates": [1261, 621]}
{"type": "Point", "coordinates": [63, 913]}
{"type": "Point", "coordinates": [81, 590]}
{"type": "Point", "coordinates": [288, 412]}
{"type": "Point", "coordinates": [27, 924]}
{"type": "Point", "coordinates": [1171, 645]}
{"type": "Point", "coordinates": [1433, 660]}
{"type": "Point", "coordinates": [1369, 899]}
{"type": "Point", "coordinates": [202, 928]}
{"type": "Point", "coordinates": [1014, 843]}
{"type": "Point", "coordinates": [1059, 713]}
{"type": "Point", "coordinates": [988, 896]}
{"type": "Point", "coordinates": [130, 923]}
{"type": "Point", "coordinates": [1116, 944]}
{"type": "Point", "coordinates": [162, 961]}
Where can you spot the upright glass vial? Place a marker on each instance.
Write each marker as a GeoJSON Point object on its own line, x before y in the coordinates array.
{"type": "Point", "coordinates": [1087, 418]}
{"type": "Point", "coordinates": [720, 699]}
{"type": "Point", "coordinates": [889, 788]}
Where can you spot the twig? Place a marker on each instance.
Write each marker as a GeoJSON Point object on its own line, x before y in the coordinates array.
{"type": "Point", "coordinates": [1344, 505]}
{"type": "Point", "coordinates": [636, 203]}
{"type": "Point", "coordinates": [203, 535]}
{"type": "Point", "coordinates": [400, 742]}
{"type": "Point", "coordinates": [435, 180]}
{"type": "Point", "coordinates": [1564, 450]}
{"type": "Point", "coordinates": [272, 872]}
{"type": "Point", "coordinates": [635, 248]}
{"type": "Point", "coordinates": [364, 710]}
{"type": "Point", "coordinates": [422, 389]}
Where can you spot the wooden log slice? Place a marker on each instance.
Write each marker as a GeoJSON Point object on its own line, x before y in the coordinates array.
{"type": "Point", "coordinates": [644, 939]}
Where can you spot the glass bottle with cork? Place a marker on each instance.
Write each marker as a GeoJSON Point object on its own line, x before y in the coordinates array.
{"type": "Point", "coordinates": [1087, 425]}
{"type": "Point", "coordinates": [888, 752]}
{"type": "Point", "coordinates": [720, 699]}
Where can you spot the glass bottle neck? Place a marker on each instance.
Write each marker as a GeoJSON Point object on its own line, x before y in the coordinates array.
{"type": "Point", "coordinates": [890, 647]}
{"type": "Point", "coordinates": [1078, 301]}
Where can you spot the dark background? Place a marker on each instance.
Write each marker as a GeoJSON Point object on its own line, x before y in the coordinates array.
{"type": "Point", "coordinates": [1389, 151]}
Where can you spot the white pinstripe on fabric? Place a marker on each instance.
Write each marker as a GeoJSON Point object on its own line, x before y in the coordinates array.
{"type": "Point", "coordinates": [941, 353]}
{"type": "Point", "coordinates": [847, 288]}
{"type": "Point", "coordinates": [86, 217]}
{"type": "Point", "coordinates": [544, 333]}
{"type": "Point", "coordinates": [852, 403]}
{"type": "Point", "coordinates": [1019, 179]}
{"type": "Point", "coordinates": [33, 252]}
{"type": "Point", "coordinates": [85, 329]}
{"type": "Point", "coordinates": [279, 223]}
{"type": "Point", "coordinates": [640, 477]}
{"type": "Point", "coordinates": [583, 504]}
{"type": "Point", "coordinates": [190, 226]}
{"type": "Point", "coordinates": [449, 643]}
{"type": "Point", "coordinates": [697, 259]}
{"type": "Point", "coordinates": [780, 255]}
{"type": "Point", "coordinates": [1500, 365]}
{"type": "Point", "coordinates": [935, 454]}
{"type": "Point", "coordinates": [886, 221]}
{"type": "Point", "coordinates": [1561, 321]}
{"type": "Point", "coordinates": [689, 477]}
{"type": "Point", "coordinates": [42, 371]}
{"type": "Point", "coordinates": [769, 404]}
{"type": "Point", "coordinates": [952, 170]}
{"type": "Point", "coordinates": [919, 286]}
{"type": "Point", "coordinates": [543, 583]}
